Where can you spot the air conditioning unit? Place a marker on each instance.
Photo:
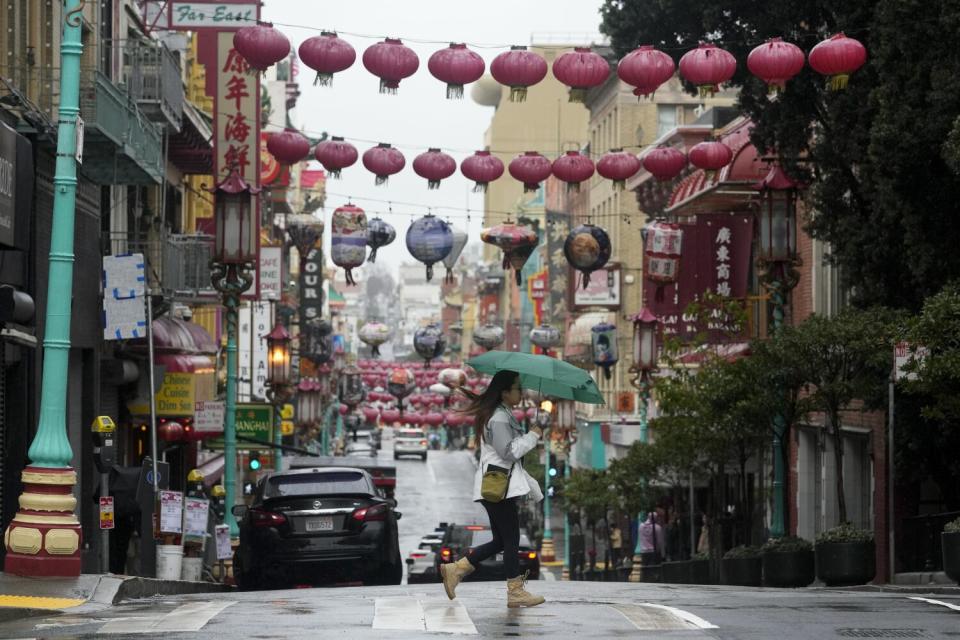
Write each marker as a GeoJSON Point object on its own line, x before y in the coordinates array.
{"type": "Point", "coordinates": [187, 268]}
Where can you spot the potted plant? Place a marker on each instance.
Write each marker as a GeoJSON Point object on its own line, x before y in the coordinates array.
{"type": "Point", "coordinates": [700, 569]}
{"type": "Point", "coordinates": [787, 562]}
{"type": "Point", "coordinates": [950, 544]}
{"type": "Point", "coordinates": [743, 566]}
{"type": "Point", "coordinates": [845, 555]}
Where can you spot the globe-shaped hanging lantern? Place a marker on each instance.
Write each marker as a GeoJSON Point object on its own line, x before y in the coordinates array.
{"type": "Point", "coordinates": [379, 234]}
{"type": "Point", "coordinates": [323, 327]}
{"type": "Point", "coordinates": [581, 70]}
{"type": "Point", "coordinates": [587, 248]}
{"type": "Point", "coordinates": [400, 383]}
{"type": "Point", "coordinates": [604, 343]}
{"type": "Point", "coordinates": [261, 45]}
{"type": "Point", "coordinates": [518, 69]}
{"type": "Point", "coordinates": [348, 239]}
{"type": "Point", "coordinates": [488, 336]}
{"type": "Point", "coordinates": [517, 243]}
{"type": "Point", "coordinates": [429, 342]}
{"type": "Point", "coordinates": [645, 69]}
{"type": "Point", "coordinates": [545, 336]}
{"type": "Point", "coordinates": [351, 391]}
{"type": "Point", "coordinates": [326, 54]}
{"type": "Point", "coordinates": [288, 146]}
{"type": "Point", "coordinates": [429, 240]}
{"type": "Point", "coordinates": [335, 154]}
{"type": "Point", "coordinates": [453, 378]}
{"type": "Point", "coordinates": [383, 161]}
{"type": "Point", "coordinates": [375, 334]}
{"type": "Point", "coordinates": [391, 61]}
{"type": "Point", "coordinates": [459, 242]}
{"type": "Point", "coordinates": [434, 165]}
{"type": "Point", "coordinates": [456, 65]}
{"type": "Point", "coordinates": [483, 168]}
{"type": "Point", "coordinates": [707, 67]}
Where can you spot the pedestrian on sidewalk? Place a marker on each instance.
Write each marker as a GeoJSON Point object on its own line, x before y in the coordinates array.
{"type": "Point", "coordinates": [501, 443]}
{"type": "Point", "coordinates": [616, 544]}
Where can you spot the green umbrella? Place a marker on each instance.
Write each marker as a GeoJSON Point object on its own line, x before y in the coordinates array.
{"type": "Point", "coordinates": [549, 376]}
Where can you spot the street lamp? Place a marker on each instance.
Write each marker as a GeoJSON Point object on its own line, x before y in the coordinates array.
{"type": "Point", "coordinates": [778, 261]}
{"type": "Point", "coordinates": [566, 423]}
{"type": "Point", "coordinates": [645, 347]}
{"type": "Point", "coordinates": [235, 250]}
{"type": "Point", "coordinates": [279, 387]}
{"type": "Point", "coordinates": [543, 420]}
{"type": "Point", "coordinates": [308, 403]}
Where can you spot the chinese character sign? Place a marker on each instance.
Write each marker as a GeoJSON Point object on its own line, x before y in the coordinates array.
{"type": "Point", "coordinates": [237, 117]}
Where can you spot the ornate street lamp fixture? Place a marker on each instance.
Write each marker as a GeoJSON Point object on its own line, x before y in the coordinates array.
{"type": "Point", "coordinates": [279, 386]}
{"type": "Point", "coordinates": [645, 348]}
{"type": "Point", "coordinates": [544, 419]}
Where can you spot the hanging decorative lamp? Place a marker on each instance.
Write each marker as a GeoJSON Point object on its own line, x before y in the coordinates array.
{"type": "Point", "coordinates": [618, 165]}
{"type": "Point", "coordinates": [429, 342]}
{"type": "Point", "coordinates": [518, 69]}
{"type": "Point", "coordinates": [531, 169]}
{"type": "Point", "coordinates": [775, 62]}
{"type": "Point", "coordinates": [335, 154]}
{"type": "Point", "coordinates": [546, 337]}
{"type": "Point", "coordinates": [489, 336]}
{"type": "Point", "coordinates": [375, 334]}
{"type": "Point", "coordinates": [379, 234]}
{"type": "Point", "coordinates": [665, 162]}
{"type": "Point", "coordinates": [707, 66]}
{"type": "Point", "coordinates": [429, 240]}
{"type": "Point", "coordinates": [456, 65]}
{"type": "Point", "coordinates": [261, 45]}
{"type": "Point", "coordinates": [348, 238]}
{"type": "Point", "coordinates": [400, 383]}
{"type": "Point", "coordinates": [711, 156]}
{"type": "Point", "coordinates": [351, 390]}
{"type": "Point", "coordinates": [434, 165]}
{"type": "Point", "coordinates": [573, 168]}
{"type": "Point", "coordinates": [517, 243]}
{"type": "Point", "coordinates": [452, 377]}
{"type": "Point", "coordinates": [604, 343]}
{"type": "Point", "coordinates": [391, 61]}
{"type": "Point", "coordinates": [837, 57]}
{"type": "Point", "coordinates": [482, 168]}
{"type": "Point", "coordinates": [645, 69]}
{"type": "Point", "coordinates": [326, 54]}
{"type": "Point", "coordinates": [383, 161]}
{"type": "Point", "coordinates": [587, 249]}
{"type": "Point", "coordinates": [459, 242]}
{"type": "Point", "coordinates": [662, 246]}
{"type": "Point", "coordinates": [288, 146]}
{"type": "Point", "coordinates": [581, 70]}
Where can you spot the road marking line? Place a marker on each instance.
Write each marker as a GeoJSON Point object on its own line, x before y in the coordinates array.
{"type": "Point", "coordinates": [433, 476]}
{"type": "Point", "coordinates": [192, 616]}
{"type": "Point", "coordinates": [644, 617]}
{"type": "Point", "coordinates": [695, 620]}
{"type": "Point", "coordinates": [939, 602]}
{"type": "Point", "coordinates": [401, 614]}
{"type": "Point", "coordinates": [447, 617]}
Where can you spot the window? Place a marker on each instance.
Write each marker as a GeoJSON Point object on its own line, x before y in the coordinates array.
{"type": "Point", "coordinates": [666, 118]}
{"type": "Point", "coordinates": [312, 484]}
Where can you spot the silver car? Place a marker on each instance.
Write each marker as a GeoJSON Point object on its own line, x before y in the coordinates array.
{"type": "Point", "coordinates": [410, 442]}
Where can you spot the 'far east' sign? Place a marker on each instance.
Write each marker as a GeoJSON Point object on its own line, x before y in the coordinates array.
{"type": "Point", "coordinates": [212, 15]}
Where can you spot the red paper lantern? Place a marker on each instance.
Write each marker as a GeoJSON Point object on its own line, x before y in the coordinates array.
{"type": "Point", "coordinates": [664, 162]}
{"type": "Point", "coordinates": [711, 155]}
{"type": "Point", "coordinates": [482, 168]}
{"type": "Point", "coordinates": [456, 65]}
{"type": "Point", "coordinates": [618, 165]}
{"type": "Point", "coordinates": [383, 161]}
{"type": "Point", "coordinates": [433, 419]}
{"type": "Point", "coordinates": [573, 168]}
{"type": "Point", "coordinates": [581, 69]}
{"type": "Point", "coordinates": [288, 146]}
{"type": "Point", "coordinates": [707, 66]}
{"type": "Point", "coordinates": [370, 414]}
{"type": "Point", "coordinates": [645, 69]}
{"type": "Point", "coordinates": [335, 154]}
{"type": "Point", "coordinates": [775, 62]}
{"type": "Point", "coordinates": [434, 165]}
{"type": "Point", "coordinates": [531, 169]}
{"type": "Point", "coordinates": [261, 45]}
{"type": "Point", "coordinates": [518, 69]}
{"type": "Point", "coordinates": [326, 54]}
{"type": "Point", "coordinates": [389, 416]}
{"type": "Point", "coordinates": [170, 431]}
{"type": "Point", "coordinates": [391, 61]}
{"type": "Point", "coordinates": [838, 57]}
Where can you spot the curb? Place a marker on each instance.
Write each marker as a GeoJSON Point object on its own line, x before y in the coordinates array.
{"type": "Point", "coordinates": [134, 588]}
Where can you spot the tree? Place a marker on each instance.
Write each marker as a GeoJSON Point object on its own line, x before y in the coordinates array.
{"type": "Point", "coordinates": [882, 154]}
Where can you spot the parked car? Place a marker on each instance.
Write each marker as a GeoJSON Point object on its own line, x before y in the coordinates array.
{"type": "Point", "coordinates": [366, 435]}
{"type": "Point", "coordinates": [362, 449]}
{"type": "Point", "coordinates": [410, 442]}
{"type": "Point", "coordinates": [421, 563]}
{"type": "Point", "coordinates": [317, 525]}
{"type": "Point", "coordinates": [458, 539]}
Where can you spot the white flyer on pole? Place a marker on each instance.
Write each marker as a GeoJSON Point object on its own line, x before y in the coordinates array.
{"type": "Point", "coordinates": [195, 514]}
{"type": "Point", "coordinates": [222, 534]}
{"type": "Point", "coordinates": [171, 512]}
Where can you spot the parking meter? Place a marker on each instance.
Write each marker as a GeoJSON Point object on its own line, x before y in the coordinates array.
{"type": "Point", "coordinates": [104, 449]}
{"type": "Point", "coordinates": [218, 502]}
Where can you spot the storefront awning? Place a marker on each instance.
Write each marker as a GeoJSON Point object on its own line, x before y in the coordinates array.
{"type": "Point", "coordinates": [173, 335]}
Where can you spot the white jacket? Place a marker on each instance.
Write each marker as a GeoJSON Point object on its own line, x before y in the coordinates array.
{"type": "Point", "coordinates": [504, 444]}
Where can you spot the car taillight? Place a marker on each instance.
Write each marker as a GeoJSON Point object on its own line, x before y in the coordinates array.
{"type": "Point", "coordinates": [264, 518]}
{"type": "Point", "coordinates": [531, 554]}
{"type": "Point", "coordinates": [372, 513]}
{"type": "Point", "coordinates": [418, 555]}
{"type": "Point", "coordinates": [423, 442]}
{"type": "Point", "coordinates": [446, 553]}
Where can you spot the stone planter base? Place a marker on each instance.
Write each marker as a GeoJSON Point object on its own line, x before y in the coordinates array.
{"type": "Point", "coordinates": [950, 545]}
{"type": "Point", "coordinates": [788, 568]}
{"type": "Point", "coordinates": [700, 572]}
{"type": "Point", "coordinates": [845, 563]}
{"type": "Point", "coordinates": [743, 572]}
{"type": "Point", "coordinates": [675, 572]}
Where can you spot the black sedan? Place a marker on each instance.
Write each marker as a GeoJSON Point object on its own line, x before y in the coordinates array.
{"type": "Point", "coordinates": [459, 539]}
{"type": "Point", "coordinates": [317, 525]}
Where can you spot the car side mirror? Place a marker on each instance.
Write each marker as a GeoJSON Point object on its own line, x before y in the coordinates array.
{"type": "Point", "coordinates": [393, 502]}
{"type": "Point", "coordinates": [410, 561]}
{"type": "Point", "coordinates": [398, 514]}
{"type": "Point", "coordinates": [239, 511]}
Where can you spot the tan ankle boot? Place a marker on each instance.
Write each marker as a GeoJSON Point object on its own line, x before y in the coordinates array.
{"type": "Point", "coordinates": [517, 596]}
{"type": "Point", "coordinates": [452, 573]}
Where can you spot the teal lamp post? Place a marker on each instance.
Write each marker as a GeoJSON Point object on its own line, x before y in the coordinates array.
{"type": "Point", "coordinates": [544, 418]}
{"type": "Point", "coordinates": [49, 544]}
{"type": "Point", "coordinates": [777, 260]}
{"type": "Point", "coordinates": [235, 250]}
{"type": "Point", "coordinates": [645, 326]}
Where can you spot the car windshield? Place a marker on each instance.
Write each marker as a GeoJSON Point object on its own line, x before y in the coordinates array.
{"type": "Point", "coordinates": [309, 484]}
{"type": "Point", "coordinates": [410, 433]}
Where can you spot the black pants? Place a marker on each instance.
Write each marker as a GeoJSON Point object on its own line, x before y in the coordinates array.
{"type": "Point", "coordinates": [505, 526]}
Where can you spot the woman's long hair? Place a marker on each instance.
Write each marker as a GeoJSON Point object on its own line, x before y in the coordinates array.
{"type": "Point", "coordinates": [483, 405]}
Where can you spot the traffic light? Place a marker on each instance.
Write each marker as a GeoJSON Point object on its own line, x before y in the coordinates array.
{"type": "Point", "coordinates": [253, 461]}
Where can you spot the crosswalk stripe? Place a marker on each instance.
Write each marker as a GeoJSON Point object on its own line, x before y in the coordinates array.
{"type": "Point", "coordinates": [188, 617]}
{"type": "Point", "coordinates": [413, 614]}
{"type": "Point", "coordinates": [658, 617]}
{"type": "Point", "coordinates": [447, 617]}
{"type": "Point", "coordinates": [404, 614]}
{"type": "Point", "coordinates": [937, 602]}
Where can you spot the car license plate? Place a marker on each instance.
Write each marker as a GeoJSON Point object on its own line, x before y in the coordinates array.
{"type": "Point", "coordinates": [320, 524]}
{"type": "Point", "coordinates": [499, 557]}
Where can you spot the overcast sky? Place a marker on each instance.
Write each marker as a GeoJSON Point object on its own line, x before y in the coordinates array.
{"type": "Point", "coordinates": [419, 115]}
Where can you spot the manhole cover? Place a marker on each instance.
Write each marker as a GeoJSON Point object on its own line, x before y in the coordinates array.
{"type": "Point", "coordinates": [882, 633]}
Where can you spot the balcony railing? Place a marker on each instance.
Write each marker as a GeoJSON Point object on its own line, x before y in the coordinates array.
{"type": "Point", "coordinates": [155, 83]}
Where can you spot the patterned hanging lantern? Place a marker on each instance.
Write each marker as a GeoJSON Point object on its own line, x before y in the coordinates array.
{"type": "Point", "coordinates": [645, 69]}
{"type": "Point", "coordinates": [711, 156]}
{"type": "Point", "coordinates": [335, 154]}
{"type": "Point", "coordinates": [429, 342]}
{"type": "Point", "coordinates": [531, 169]}
{"type": "Point", "coordinates": [545, 336]}
{"type": "Point", "coordinates": [453, 378]}
{"type": "Point", "coordinates": [261, 45]}
{"type": "Point", "coordinates": [391, 61]}
{"type": "Point", "coordinates": [665, 162]}
{"type": "Point", "coordinates": [838, 57]}
{"type": "Point", "coordinates": [434, 165]}
{"type": "Point", "coordinates": [383, 161]}
{"type": "Point", "coordinates": [379, 234]}
{"type": "Point", "coordinates": [348, 238]}
{"type": "Point", "coordinates": [482, 168]}
{"type": "Point", "coordinates": [518, 69]}
{"type": "Point", "coordinates": [517, 243]}
{"type": "Point", "coordinates": [581, 70]}
{"type": "Point", "coordinates": [326, 54]}
{"type": "Point", "coordinates": [775, 62]}
{"type": "Point", "coordinates": [400, 383]}
{"type": "Point", "coordinates": [604, 342]}
{"type": "Point", "coordinates": [351, 390]}
{"type": "Point", "coordinates": [288, 146]}
{"type": "Point", "coordinates": [456, 65]}
{"type": "Point", "coordinates": [573, 168]}
{"type": "Point", "coordinates": [618, 165]}
{"type": "Point", "coordinates": [587, 248]}
{"type": "Point", "coordinates": [429, 240]}
{"type": "Point", "coordinates": [489, 336]}
{"type": "Point", "coordinates": [375, 334]}
{"type": "Point", "coordinates": [707, 66]}
{"type": "Point", "coordinates": [459, 242]}
{"type": "Point", "coordinates": [662, 246]}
